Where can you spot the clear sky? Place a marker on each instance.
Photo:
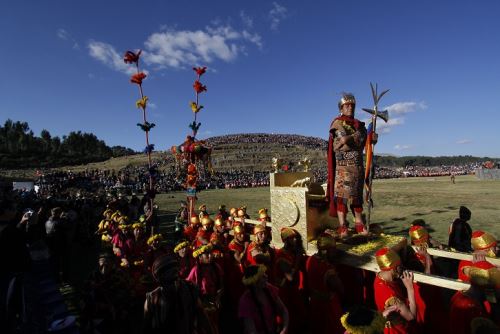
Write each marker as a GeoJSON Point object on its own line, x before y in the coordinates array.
{"type": "Point", "coordinates": [274, 66]}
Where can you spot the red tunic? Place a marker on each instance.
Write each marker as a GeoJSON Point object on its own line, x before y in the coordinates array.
{"type": "Point", "coordinates": [292, 292]}
{"type": "Point", "coordinates": [462, 310]}
{"type": "Point", "coordinates": [202, 237]}
{"type": "Point", "coordinates": [190, 232]}
{"type": "Point", "coordinates": [324, 308]}
{"type": "Point", "coordinates": [461, 275]}
{"type": "Point", "coordinates": [266, 257]}
{"type": "Point", "coordinates": [386, 294]}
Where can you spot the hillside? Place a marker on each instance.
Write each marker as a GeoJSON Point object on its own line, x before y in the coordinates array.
{"type": "Point", "coordinates": [254, 152]}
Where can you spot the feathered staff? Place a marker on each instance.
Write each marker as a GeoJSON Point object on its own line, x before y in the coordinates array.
{"type": "Point", "coordinates": [133, 58]}
{"type": "Point", "coordinates": [192, 174]}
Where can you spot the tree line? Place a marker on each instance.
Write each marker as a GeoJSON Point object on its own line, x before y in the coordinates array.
{"type": "Point", "coordinates": [20, 148]}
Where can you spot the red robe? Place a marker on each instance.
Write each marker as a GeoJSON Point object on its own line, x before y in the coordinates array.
{"type": "Point", "coordinates": [266, 258]}
{"type": "Point", "coordinates": [461, 265]}
{"type": "Point", "coordinates": [292, 292]}
{"type": "Point", "coordinates": [462, 310]}
{"type": "Point", "coordinates": [386, 294]}
{"type": "Point", "coordinates": [202, 237]}
{"type": "Point", "coordinates": [190, 232]}
{"type": "Point", "coordinates": [324, 307]}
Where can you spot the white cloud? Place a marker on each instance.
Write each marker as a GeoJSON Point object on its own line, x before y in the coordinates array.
{"type": "Point", "coordinates": [277, 14]}
{"type": "Point", "coordinates": [464, 141]}
{"type": "Point", "coordinates": [106, 54]}
{"type": "Point", "coordinates": [402, 147]}
{"type": "Point", "coordinates": [383, 127]}
{"type": "Point", "coordinates": [406, 107]}
{"type": "Point", "coordinates": [397, 112]}
{"type": "Point", "coordinates": [152, 105]}
{"type": "Point", "coordinates": [247, 20]}
{"type": "Point", "coordinates": [66, 36]}
{"type": "Point", "coordinates": [63, 34]}
{"type": "Point", "coordinates": [183, 48]}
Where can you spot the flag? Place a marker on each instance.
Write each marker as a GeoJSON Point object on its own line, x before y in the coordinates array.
{"type": "Point", "coordinates": [369, 167]}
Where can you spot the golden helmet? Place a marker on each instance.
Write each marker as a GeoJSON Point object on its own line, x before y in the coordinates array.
{"type": "Point", "coordinates": [347, 98]}
{"type": "Point", "coordinates": [195, 220]}
{"type": "Point", "coordinates": [482, 240]}
{"type": "Point", "coordinates": [387, 259]}
{"type": "Point", "coordinates": [206, 220]}
{"type": "Point", "coordinates": [219, 221]}
{"type": "Point", "coordinates": [418, 235]}
{"type": "Point", "coordinates": [263, 213]}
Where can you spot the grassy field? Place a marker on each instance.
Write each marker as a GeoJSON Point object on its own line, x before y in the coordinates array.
{"type": "Point", "coordinates": [397, 202]}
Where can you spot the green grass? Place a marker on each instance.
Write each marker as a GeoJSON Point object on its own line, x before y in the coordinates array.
{"type": "Point", "coordinates": [397, 203]}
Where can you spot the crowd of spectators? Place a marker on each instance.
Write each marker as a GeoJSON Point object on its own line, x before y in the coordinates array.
{"type": "Point", "coordinates": [267, 138]}
{"type": "Point", "coordinates": [135, 179]}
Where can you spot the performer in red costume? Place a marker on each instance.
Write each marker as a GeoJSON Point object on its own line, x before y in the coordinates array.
{"type": "Point", "coordinates": [400, 308]}
{"type": "Point", "coordinates": [191, 230]}
{"type": "Point", "coordinates": [325, 288]}
{"type": "Point", "coordinates": [260, 252]}
{"type": "Point", "coordinates": [483, 244]}
{"type": "Point", "coordinates": [345, 164]}
{"type": "Point", "coordinates": [185, 257]}
{"type": "Point", "coordinates": [289, 273]}
{"type": "Point", "coordinates": [480, 300]}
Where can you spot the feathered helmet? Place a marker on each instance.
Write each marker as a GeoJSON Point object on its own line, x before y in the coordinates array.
{"type": "Point", "coordinates": [387, 259]}
{"type": "Point", "coordinates": [347, 98]}
{"type": "Point", "coordinates": [418, 235]}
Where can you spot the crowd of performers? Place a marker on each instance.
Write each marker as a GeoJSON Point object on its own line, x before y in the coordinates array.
{"type": "Point", "coordinates": [224, 276]}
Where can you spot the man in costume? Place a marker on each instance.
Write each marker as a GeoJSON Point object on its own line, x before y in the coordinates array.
{"type": "Point", "coordinates": [175, 306]}
{"type": "Point", "coordinates": [289, 273]}
{"type": "Point", "coordinates": [260, 306]}
{"type": "Point", "coordinates": [390, 298]}
{"type": "Point", "coordinates": [483, 244]}
{"type": "Point", "coordinates": [191, 230]}
{"type": "Point", "coordinates": [185, 258]}
{"type": "Point", "coordinates": [325, 288]}
{"type": "Point", "coordinates": [208, 277]}
{"type": "Point", "coordinates": [429, 298]}
{"type": "Point", "coordinates": [204, 233]}
{"type": "Point", "coordinates": [259, 251]}
{"type": "Point", "coordinates": [345, 165]}
{"type": "Point", "coordinates": [480, 300]}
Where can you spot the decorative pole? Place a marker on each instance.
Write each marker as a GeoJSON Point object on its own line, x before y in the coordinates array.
{"type": "Point", "coordinates": [370, 145]}
{"type": "Point", "coordinates": [133, 58]}
{"type": "Point", "coordinates": [191, 147]}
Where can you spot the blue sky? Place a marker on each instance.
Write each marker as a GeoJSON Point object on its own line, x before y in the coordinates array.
{"type": "Point", "coordinates": [274, 66]}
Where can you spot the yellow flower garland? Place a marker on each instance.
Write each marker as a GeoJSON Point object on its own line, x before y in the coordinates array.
{"type": "Point", "coordinates": [181, 246]}
{"type": "Point", "coordinates": [201, 250]}
{"type": "Point", "coordinates": [154, 238]}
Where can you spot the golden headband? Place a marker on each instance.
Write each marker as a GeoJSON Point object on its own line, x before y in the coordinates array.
{"type": "Point", "coordinates": [387, 259]}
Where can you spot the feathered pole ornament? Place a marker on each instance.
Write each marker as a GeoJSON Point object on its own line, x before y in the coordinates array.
{"type": "Point", "coordinates": [192, 173]}
{"type": "Point", "coordinates": [132, 58]}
